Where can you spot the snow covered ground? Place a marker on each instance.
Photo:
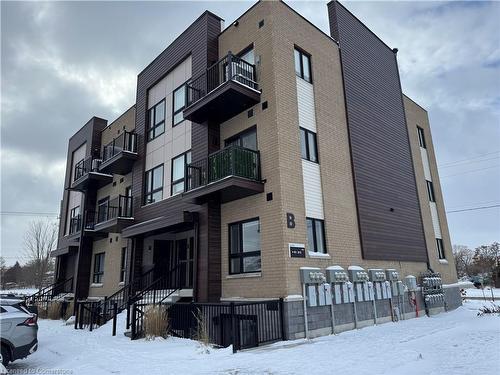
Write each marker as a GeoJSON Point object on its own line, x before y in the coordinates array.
{"type": "Point", "coordinates": [20, 292]}
{"type": "Point", "coordinates": [458, 342]}
{"type": "Point", "coordinates": [483, 293]}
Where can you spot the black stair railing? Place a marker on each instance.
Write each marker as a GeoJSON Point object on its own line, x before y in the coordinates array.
{"type": "Point", "coordinates": [46, 294]}
{"type": "Point", "coordinates": [127, 141]}
{"type": "Point", "coordinates": [229, 68]}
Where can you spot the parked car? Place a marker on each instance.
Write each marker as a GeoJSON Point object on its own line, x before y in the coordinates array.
{"type": "Point", "coordinates": [19, 330]}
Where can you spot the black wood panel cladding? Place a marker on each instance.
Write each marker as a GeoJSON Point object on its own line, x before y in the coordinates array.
{"type": "Point", "coordinates": [388, 207]}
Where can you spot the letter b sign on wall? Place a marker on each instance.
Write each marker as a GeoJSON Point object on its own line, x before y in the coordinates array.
{"type": "Point", "coordinates": [290, 220]}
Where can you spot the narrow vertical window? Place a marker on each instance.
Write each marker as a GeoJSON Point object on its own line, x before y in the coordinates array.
{"type": "Point", "coordinates": [316, 235]}
{"type": "Point", "coordinates": [179, 103]}
{"type": "Point", "coordinates": [123, 264]}
{"type": "Point", "coordinates": [156, 120]}
{"type": "Point", "coordinates": [98, 274]}
{"type": "Point", "coordinates": [430, 191]}
{"type": "Point", "coordinates": [303, 65]}
{"type": "Point", "coordinates": [178, 172]}
{"type": "Point", "coordinates": [440, 248]}
{"type": "Point", "coordinates": [308, 145]}
{"type": "Point", "coordinates": [153, 185]}
{"type": "Point", "coordinates": [421, 137]}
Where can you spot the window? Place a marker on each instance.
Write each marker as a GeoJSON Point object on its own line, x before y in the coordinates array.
{"type": "Point", "coordinates": [123, 264]}
{"type": "Point", "coordinates": [98, 268]}
{"type": "Point", "coordinates": [303, 65]}
{"type": "Point", "coordinates": [156, 120]}
{"type": "Point", "coordinates": [316, 235]}
{"type": "Point", "coordinates": [74, 220]}
{"type": "Point", "coordinates": [440, 248]}
{"type": "Point", "coordinates": [102, 209]}
{"type": "Point", "coordinates": [178, 170]}
{"type": "Point", "coordinates": [179, 103]}
{"type": "Point", "coordinates": [247, 139]}
{"type": "Point", "coordinates": [421, 137]}
{"type": "Point", "coordinates": [153, 189]}
{"type": "Point", "coordinates": [244, 247]}
{"type": "Point", "coordinates": [308, 145]}
{"type": "Point", "coordinates": [430, 191]}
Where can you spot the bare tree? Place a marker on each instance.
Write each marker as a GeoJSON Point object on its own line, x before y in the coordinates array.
{"type": "Point", "coordinates": [40, 240]}
{"type": "Point", "coordinates": [464, 260]}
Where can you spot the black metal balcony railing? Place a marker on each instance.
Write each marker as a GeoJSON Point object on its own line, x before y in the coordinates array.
{"type": "Point", "coordinates": [84, 166]}
{"type": "Point", "coordinates": [121, 206]}
{"type": "Point", "coordinates": [230, 161]}
{"type": "Point", "coordinates": [126, 141]}
{"type": "Point", "coordinates": [229, 68]}
{"type": "Point", "coordinates": [75, 223]}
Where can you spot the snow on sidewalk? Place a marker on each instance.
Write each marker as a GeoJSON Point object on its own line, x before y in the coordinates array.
{"type": "Point", "coordinates": [455, 343]}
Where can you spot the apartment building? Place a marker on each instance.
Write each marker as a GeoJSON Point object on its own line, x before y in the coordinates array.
{"type": "Point", "coordinates": [255, 152]}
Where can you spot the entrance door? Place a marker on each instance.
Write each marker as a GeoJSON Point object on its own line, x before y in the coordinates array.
{"type": "Point", "coordinates": [184, 253]}
{"type": "Point", "coordinates": [161, 257]}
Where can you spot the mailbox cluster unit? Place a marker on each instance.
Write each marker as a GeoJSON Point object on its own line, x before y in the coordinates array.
{"type": "Point", "coordinates": [432, 289]}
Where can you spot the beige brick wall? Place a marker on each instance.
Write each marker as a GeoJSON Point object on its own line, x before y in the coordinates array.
{"type": "Point", "coordinates": [125, 122]}
{"type": "Point", "coordinates": [416, 115]}
{"type": "Point", "coordinates": [278, 141]}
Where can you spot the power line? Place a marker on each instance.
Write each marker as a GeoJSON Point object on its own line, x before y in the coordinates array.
{"type": "Point", "coordinates": [470, 171]}
{"type": "Point", "coordinates": [473, 158]}
{"type": "Point", "coordinates": [474, 209]}
{"type": "Point", "coordinates": [468, 162]}
{"type": "Point", "coordinates": [27, 213]}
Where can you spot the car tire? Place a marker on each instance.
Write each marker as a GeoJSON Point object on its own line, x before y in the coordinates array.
{"type": "Point", "coordinates": [5, 355]}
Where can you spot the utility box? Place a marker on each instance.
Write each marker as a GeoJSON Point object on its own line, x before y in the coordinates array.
{"type": "Point", "coordinates": [377, 275]}
{"type": "Point", "coordinates": [411, 283]}
{"type": "Point", "coordinates": [310, 275]}
{"type": "Point", "coordinates": [336, 274]}
{"type": "Point", "coordinates": [391, 274]}
{"type": "Point", "coordinates": [358, 275]}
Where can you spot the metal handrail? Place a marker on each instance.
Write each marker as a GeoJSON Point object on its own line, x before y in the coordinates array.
{"type": "Point", "coordinates": [127, 141]}
{"type": "Point", "coordinates": [86, 165]}
{"type": "Point", "coordinates": [120, 206]}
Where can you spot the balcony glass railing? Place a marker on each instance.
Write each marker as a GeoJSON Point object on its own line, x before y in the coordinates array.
{"type": "Point", "coordinates": [230, 161]}
{"type": "Point", "coordinates": [228, 68]}
{"type": "Point", "coordinates": [126, 141]}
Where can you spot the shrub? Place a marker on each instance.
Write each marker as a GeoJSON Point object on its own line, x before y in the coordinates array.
{"type": "Point", "coordinates": [54, 311]}
{"type": "Point", "coordinates": [156, 322]}
{"type": "Point", "coordinates": [493, 309]}
{"type": "Point", "coordinates": [202, 333]}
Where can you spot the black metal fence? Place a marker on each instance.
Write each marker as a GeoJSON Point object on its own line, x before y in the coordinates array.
{"type": "Point", "coordinates": [126, 141]}
{"type": "Point", "coordinates": [230, 161]}
{"type": "Point", "coordinates": [243, 325]}
{"type": "Point", "coordinates": [84, 166]}
{"type": "Point", "coordinates": [228, 68]}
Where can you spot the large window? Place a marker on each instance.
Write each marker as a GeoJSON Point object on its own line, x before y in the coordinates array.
{"type": "Point", "coordinates": [244, 247]}
{"type": "Point", "coordinates": [102, 209]}
{"type": "Point", "coordinates": [74, 220]}
{"type": "Point", "coordinates": [308, 145]}
{"type": "Point", "coordinates": [440, 248]}
{"type": "Point", "coordinates": [247, 139]}
{"type": "Point", "coordinates": [421, 137]}
{"type": "Point", "coordinates": [153, 185]}
{"type": "Point", "coordinates": [303, 65]}
{"type": "Point", "coordinates": [156, 120]}
{"type": "Point", "coordinates": [316, 235]}
{"type": "Point", "coordinates": [430, 191]}
{"type": "Point", "coordinates": [123, 264]}
{"type": "Point", "coordinates": [178, 172]}
{"type": "Point", "coordinates": [98, 268]}
{"type": "Point", "coordinates": [179, 103]}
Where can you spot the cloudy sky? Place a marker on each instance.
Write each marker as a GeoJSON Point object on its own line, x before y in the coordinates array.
{"type": "Point", "coordinates": [63, 62]}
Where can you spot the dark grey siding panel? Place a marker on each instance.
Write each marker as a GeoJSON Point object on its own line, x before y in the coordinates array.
{"type": "Point", "coordinates": [387, 201]}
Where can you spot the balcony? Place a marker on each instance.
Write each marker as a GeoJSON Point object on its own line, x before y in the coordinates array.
{"type": "Point", "coordinates": [119, 156]}
{"type": "Point", "coordinates": [75, 227]}
{"type": "Point", "coordinates": [229, 174]}
{"type": "Point", "coordinates": [87, 175]}
{"type": "Point", "coordinates": [112, 216]}
{"type": "Point", "coordinates": [224, 90]}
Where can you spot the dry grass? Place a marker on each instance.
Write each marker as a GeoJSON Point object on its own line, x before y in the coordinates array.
{"type": "Point", "coordinates": [69, 310]}
{"type": "Point", "coordinates": [54, 311]}
{"type": "Point", "coordinates": [42, 310]}
{"type": "Point", "coordinates": [202, 334]}
{"type": "Point", "coordinates": [156, 322]}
